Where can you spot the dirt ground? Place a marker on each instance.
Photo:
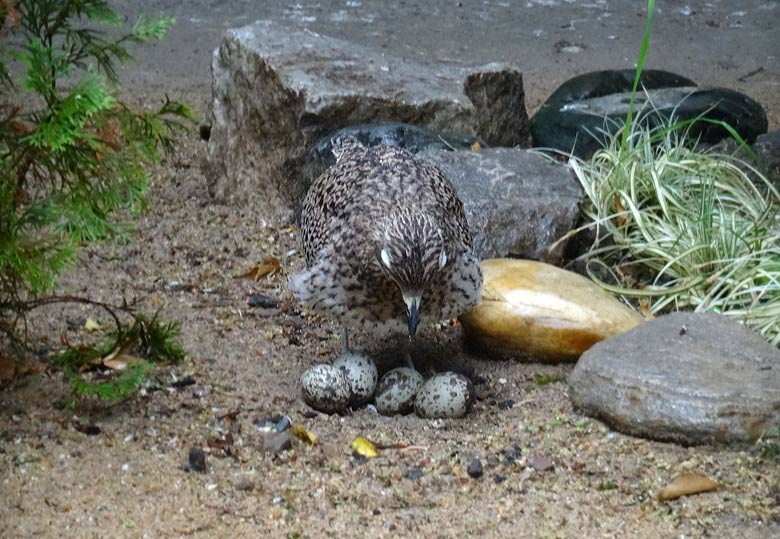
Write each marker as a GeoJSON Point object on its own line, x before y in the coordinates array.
{"type": "Point", "coordinates": [548, 471]}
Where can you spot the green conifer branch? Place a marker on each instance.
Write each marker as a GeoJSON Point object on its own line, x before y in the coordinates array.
{"type": "Point", "coordinates": [68, 166]}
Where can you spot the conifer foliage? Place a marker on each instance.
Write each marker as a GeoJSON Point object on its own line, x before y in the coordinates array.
{"type": "Point", "coordinates": [72, 155]}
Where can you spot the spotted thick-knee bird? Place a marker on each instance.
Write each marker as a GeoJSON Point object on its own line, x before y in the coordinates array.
{"type": "Point", "coordinates": [386, 242]}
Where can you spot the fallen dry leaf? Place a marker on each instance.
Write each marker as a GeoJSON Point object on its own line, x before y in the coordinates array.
{"type": "Point", "coordinates": [268, 266]}
{"type": "Point", "coordinates": [300, 432]}
{"type": "Point", "coordinates": [89, 430]}
{"type": "Point", "coordinates": [90, 325]}
{"type": "Point", "coordinates": [10, 368]}
{"type": "Point", "coordinates": [364, 447]}
{"type": "Point", "coordinates": [114, 360]}
{"type": "Point", "coordinates": [645, 309]}
{"type": "Point", "coordinates": [7, 368]}
{"type": "Point", "coordinates": [622, 218]}
{"type": "Point", "coordinates": [685, 484]}
{"type": "Point", "coordinates": [117, 363]}
{"type": "Point", "coordinates": [223, 444]}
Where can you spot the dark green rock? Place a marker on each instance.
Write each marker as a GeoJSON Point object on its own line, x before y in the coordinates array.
{"type": "Point", "coordinates": [585, 111]}
{"type": "Point", "coordinates": [613, 81]}
{"type": "Point", "coordinates": [409, 137]}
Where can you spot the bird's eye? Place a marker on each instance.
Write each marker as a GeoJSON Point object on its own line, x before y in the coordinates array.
{"type": "Point", "coordinates": [442, 258]}
{"type": "Point", "coordinates": [386, 260]}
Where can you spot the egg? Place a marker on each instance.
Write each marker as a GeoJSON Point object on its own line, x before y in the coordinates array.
{"type": "Point", "coordinates": [396, 391]}
{"type": "Point", "coordinates": [361, 375]}
{"type": "Point", "coordinates": [445, 395]}
{"type": "Point", "coordinates": [325, 388]}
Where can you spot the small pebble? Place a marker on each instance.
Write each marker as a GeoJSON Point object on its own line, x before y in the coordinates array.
{"type": "Point", "coordinates": [277, 423]}
{"type": "Point", "coordinates": [283, 424]}
{"type": "Point", "coordinates": [197, 460]}
{"type": "Point", "coordinates": [266, 424]}
{"type": "Point", "coordinates": [358, 458]}
{"type": "Point", "coordinates": [244, 484]}
{"type": "Point", "coordinates": [540, 462]}
{"type": "Point", "coordinates": [413, 473]}
{"type": "Point", "coordinates": [89, 430]}
{"type": "Point", "coordinates": [475, 468]}
{"type": "Point", "coordinates": [506, 405]}
{"type": "Point", "coordinates": [511, 455]}
{"type": "Point", "coordinates": [276, 442]}
{"type": "Point", "coordinates": [183, 382]}
{"type": "Point", "coordinates": [262, 301]}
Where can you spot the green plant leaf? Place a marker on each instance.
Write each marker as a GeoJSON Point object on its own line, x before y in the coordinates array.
{"type": "Point", "coordinates": [64, 125]}
{"type": "Point", "coordinates": [70, 159]}
{"type": "Point", "coordinates": [640, 63]}
{"type": "Point", "coordinates": [152, 27]}
{"type": "Point", "coordinates": [99, 12]}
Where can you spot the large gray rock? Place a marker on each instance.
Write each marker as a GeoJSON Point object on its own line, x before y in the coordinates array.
{"type": "Point", "coordinates": [276, 92]}
{"type": "Point", "coordinates": [766, 149]}
{"type": "Point", "coordinates": [683, 377]}
{"type": "Point", "coordinates": [518, 202]}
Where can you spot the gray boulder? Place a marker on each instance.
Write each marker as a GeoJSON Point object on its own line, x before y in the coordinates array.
{"type": "Point", "coordinates": [277, 91]}
{"type": "Point", "coordinates": [767, 148]}
{"type": "Point", "coordinates": [683, 377]}
{"type": "Point", "coordinates": [518, 202]}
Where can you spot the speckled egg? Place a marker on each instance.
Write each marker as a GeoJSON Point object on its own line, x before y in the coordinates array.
{"type": "Point", "coordinates": [397, 390]}
{"type": "Point", "coordinates": [446, 395]}
{"type": "Point", "coordinates": [325, 388]}
{"type": "Point", "coordinates": [361, 374]}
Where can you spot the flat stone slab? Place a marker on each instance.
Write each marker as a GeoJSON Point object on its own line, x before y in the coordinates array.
{"type": "Point", "coordinates": [518, 203]}
{"type": "Point", "coordinates": [683, 377]}
{"type": "Point", "coordinates": [277, 91]}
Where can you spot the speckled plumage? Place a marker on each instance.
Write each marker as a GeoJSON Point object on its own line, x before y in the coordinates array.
{"type": "Point", "coordinates": [380, 224]}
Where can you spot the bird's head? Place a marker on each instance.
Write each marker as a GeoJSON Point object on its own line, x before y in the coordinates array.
{"type": "Point", "coordinates": [412, 251]}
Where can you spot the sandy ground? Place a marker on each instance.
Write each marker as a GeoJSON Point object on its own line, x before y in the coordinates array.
{"type": "Point", "coordinates": [548, 471]}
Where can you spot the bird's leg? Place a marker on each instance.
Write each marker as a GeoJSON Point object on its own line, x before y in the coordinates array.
{"type": "Point", "coordinates": [408, 343]}
{"type": "Point", "coordinates": [344, 341]}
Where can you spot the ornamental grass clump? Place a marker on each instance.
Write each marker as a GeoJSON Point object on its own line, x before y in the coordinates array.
{"type": "Point", "coordinates": [683, 229]}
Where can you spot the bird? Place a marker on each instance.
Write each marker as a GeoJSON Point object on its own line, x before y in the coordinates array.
{"type": "Point", "coordinates": [386, 242]}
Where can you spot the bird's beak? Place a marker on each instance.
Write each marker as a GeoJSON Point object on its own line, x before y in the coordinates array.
{"type": "Point", "coordinates": [412, 313]}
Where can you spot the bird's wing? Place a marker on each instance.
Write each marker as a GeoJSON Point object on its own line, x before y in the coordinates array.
{"type": "Point", "coordinates": [330, 201]}
{"type": "Point", "coordinates": [447, 202]}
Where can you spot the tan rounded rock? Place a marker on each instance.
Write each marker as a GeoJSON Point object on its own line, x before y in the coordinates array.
{"type": "Point", "coordinates": [535, 310]}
